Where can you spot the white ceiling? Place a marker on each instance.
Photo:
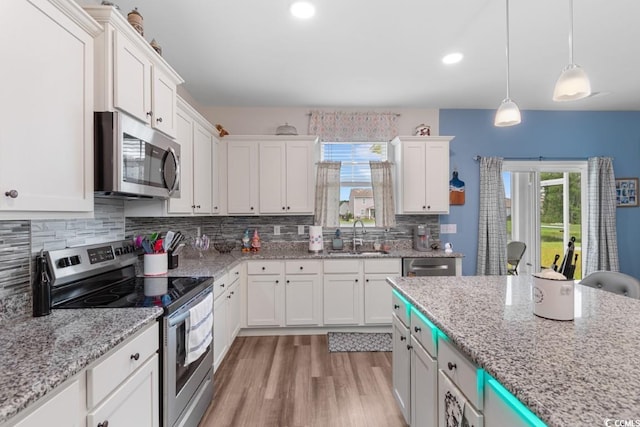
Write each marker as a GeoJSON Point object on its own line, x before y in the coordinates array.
{"type": "Point", "coordinates": [387, 53]}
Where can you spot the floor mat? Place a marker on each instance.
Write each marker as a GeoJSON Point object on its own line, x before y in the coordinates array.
{"type": "Point", "coordinates": [358, 341]}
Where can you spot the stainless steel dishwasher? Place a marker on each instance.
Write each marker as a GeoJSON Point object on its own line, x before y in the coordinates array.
{"type": "Point", "coordinates": [434, 266]}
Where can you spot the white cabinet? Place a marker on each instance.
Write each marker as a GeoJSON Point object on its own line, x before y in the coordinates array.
{"type": "Point", "coordinates": [265, 291]}
{"type": "Point", "coordinates": [64, 407]}
{"type": "Point", "coordinates": [342, 292]}
{"type": "Point", "coordinates": [422, 168]}
{"type": "Point", "coordinates": [226, 314]}
{"type": "Point", "coordinates": [242, 176]}
{"type": "Point", "coordinates": [287, 175]}
{"type": "Point", "coordinates": [401, 367]}
{"type": "Point", "coordinates": [198, 173]}
{"type": "Point", "coordinates": [377, 292]}
{"type": "Point", "coordinates": [130, 75]}
{"type": "Point", "coordinates": [303, 293]}
{"type": "Point", "coordinates": [454, 409]}
{"type": "Point", "coordinates": [424, 386]}
{"type": "Point", "coordinates": [46, 113]}
{"type": "Point", "coordinates": [233, 310]}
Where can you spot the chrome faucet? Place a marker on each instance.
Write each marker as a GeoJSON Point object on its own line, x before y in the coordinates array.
{"type": "Point", "coordinates": [357, 242]}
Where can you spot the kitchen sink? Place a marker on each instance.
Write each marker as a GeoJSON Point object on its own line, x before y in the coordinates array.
{"type": "Point", "coordinates": [358, 253]}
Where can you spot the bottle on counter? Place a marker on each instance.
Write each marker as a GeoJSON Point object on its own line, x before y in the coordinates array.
{"type": "Point", "coordinates": [41, 288]}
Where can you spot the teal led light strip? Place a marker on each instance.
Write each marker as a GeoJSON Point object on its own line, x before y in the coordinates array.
{"type": "Point", "coordinates": [525, 413]}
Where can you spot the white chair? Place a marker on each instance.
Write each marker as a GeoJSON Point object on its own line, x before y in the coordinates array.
{"type": "Point", "coordinates": [613, 281]}
{"type": "Point", "coordinates": [515, 250]}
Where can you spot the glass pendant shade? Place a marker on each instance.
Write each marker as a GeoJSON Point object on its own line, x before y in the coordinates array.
{"type": "Point", "coordinates": [508, 114]}
{"type": "Point", "coordinates": [572, 84]}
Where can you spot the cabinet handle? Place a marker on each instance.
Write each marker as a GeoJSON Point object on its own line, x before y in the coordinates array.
{"type": "Point", "coordinates": [149, 113]}
{"type": "Point", "coordinates": [159, 120]}
{"type": "Point", "coordinates": [356, 280]}
{"type": "Point", "coordinates": [135, 356]}
{"type": "Point", "coordinates": [366, 280]}
{"type": "Point", "coordinates": [105, 423]}
{"type": "Point", "coordinates": [301, 268]}
{"type": "Point", "coordinates": [424, 207]}
{"type": "Point", "coordinates": [409, 346]}
{"type": "Point", "coordinates": [222, 285]}
{"type": "Point", "coordinates": [237, 272]}
{"type": "Point", "coordinates": [277, 281]}
{"type": "Point", "coordinates": [251, 207]}
{"type": "Point", "coordinates": [193, 206]}
{"type": "Point", "coordinates": [263, 268]}
{"type": "Point", "coordinates": [283, 208]}
{"type": "Point", "coordinates": [198, 206]}
{"type": "Point", "coordinates": [428, 206]}
{"type": "Point", "coordinates": [288, 281]}
{"type": "Point", "coordinates": [11, 193]}
{"type": "Point", "coordinates": [232, 293]}
{"type": "Point", "coordinates": [288, 207]}
{"type": "Point", "coordinates": [451, 366]}
{"type": "Point", "coordinates": [396, 306]}
{"type": "Point", "coordinates": [228, 296]}
{"type": "Point", "coordinates": [403, 338]}
{"type": "Point", "coordinates": [417, 328]}
{"type": "Point", "coordinates": [215, 207]}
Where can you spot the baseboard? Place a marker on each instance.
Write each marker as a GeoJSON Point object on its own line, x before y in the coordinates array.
{"type": "Point", "coordinates": [256, 332]}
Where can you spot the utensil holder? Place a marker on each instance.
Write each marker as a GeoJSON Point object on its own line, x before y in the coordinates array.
{"type": "Point", "coordinates": [155, 264]}
{"type": "Point", "coordinates": [173, 260]}
{"type": "Point", "coordinates": [553, 299]}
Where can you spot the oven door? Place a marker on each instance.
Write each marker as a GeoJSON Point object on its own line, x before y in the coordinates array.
{"type": "Point", "coordinates": [187, 390]}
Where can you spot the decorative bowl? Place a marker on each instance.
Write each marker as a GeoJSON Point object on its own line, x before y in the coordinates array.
{"type": "Point", "coordinates": [224, 247]}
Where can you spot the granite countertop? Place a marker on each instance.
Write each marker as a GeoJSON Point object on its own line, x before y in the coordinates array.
{"type": "Point", "coordinates": [578, 372]}
{"type": "Point", "coordinates": [40, 353]}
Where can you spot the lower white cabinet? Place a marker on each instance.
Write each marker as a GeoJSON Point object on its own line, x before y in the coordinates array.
{"type": "Point", "coordinates": [265, 290]}
{"type": "Point", "coordinates": [454, 408]}
{"type": "Point", "coordinates": [377, 292]}
{"type": "Point", "coordinates": [424, 387]}
{"type": "Point", "coordinates": [220, 336]}
{"type": "Point", "coordinates": [401, 367]}
{"type": "Point", "coordinates": [302, 293]}
{"type": "Point", "coordinates": [63, 407]}
{"type": "Point", "coordinates": [134, 403]}
{"type": "Point", "coordinates": [341, 299]}
{"type": "Point", "coordinates": [226, 314]}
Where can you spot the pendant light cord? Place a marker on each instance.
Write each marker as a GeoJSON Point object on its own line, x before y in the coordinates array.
{"type": "Point", "coordinates": [570, 31]}
{"type": "Point", "coordinates": [507, 8]}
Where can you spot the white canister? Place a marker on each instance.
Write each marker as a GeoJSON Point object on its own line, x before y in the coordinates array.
{"type": "Point", "coordinates": [552, 298]}
{"type": "Point", "coordinates": [155, 264]}
{"type": "Point", "coordinates": [316, 243]}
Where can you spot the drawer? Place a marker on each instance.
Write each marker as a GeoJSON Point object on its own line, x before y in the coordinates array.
{"type": "Point", "coordinates": [109, 373]}
{"type": "Point", "coordinates": [389, 266]}
{"type": "Point", "coordinates": [234, 273]}
{"type": "Point", "coordinates": [264, 267]}
{"type": "Point", "coordinates": [424, 332]}
{"type": "Point", "coordinates": [342, 266]}
{"type": "Point", "coordinates": [462, 372]}
{"type": "Point", "coordinates": [449, 402]}
{"type": "Point", "coordinates": [400, 308]}
{"type": "Point", "coordinates": [303, 267]}
{"type": "Point", "coordinates": [220, 285]}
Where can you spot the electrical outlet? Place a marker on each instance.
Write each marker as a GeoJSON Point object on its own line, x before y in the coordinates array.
{"type": "Point", "coordinates": [276, 230]}
{"type": "Point", "coordinates": [301, 229]}
{"type": "Point", "coordinates": [448, 228]}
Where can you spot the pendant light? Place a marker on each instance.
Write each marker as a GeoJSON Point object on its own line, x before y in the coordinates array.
{"type": "Point", "coordinates": [508, 113]}
{"type": "Point", "coordinates": [573, 83]}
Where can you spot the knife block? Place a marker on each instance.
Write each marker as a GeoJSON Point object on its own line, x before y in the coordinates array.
{"type": "Point", "coordinates": [172, 260]}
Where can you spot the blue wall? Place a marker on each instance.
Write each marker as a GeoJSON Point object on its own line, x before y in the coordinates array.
{"type": "Point", "coordinates": [548, 134]}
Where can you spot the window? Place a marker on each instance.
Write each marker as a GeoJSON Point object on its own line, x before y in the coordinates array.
{"type": "Point", "coordinates": [356, 194]}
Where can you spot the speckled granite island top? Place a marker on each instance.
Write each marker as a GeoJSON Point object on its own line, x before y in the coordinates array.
{"type": "Point", "coordinates": [571, 373]}
{"type": "Point", "coordinates": [38, 354]}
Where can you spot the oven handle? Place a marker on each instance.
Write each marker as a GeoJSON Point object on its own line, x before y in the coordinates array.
{"type": "Point", "coordinates": [181, 316]}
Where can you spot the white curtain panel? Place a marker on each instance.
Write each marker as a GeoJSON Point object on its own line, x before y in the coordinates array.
{"type": "Point", "coordinates": [382, 183]}
{"type": "Point", "coordinates": [602, 242]}
{"type": "Point", "coordinates": [492, 222]}
{"type": "Point", "coordinates": [327, 207]}
{"type": "Point", "coordinates": [353, 127]}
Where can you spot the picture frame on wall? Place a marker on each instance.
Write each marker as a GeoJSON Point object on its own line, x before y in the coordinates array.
{"type": "Point", "coordinates": [626, 192]}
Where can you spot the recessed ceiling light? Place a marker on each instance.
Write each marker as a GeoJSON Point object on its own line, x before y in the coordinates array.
{"type": "Point", "coordinates": [452, 58]}
{"type": "Point", "coordinates": [302, 9]}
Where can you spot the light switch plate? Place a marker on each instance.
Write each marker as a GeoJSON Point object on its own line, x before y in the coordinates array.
{"type": "Point", "coordinates": [448, 228]}
{"type": "Point", "coordinates": [301, 229]}
{"type": "Point", "coordinates": [276, 230]}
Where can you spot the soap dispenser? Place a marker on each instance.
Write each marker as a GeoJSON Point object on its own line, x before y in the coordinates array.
{"type": "Point", "coordinates": [337, 243]}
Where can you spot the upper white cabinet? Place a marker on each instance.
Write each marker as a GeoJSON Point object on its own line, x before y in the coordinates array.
{"type": "Point", "coordinates": [287, 175]}
{"type": "Point", "coordinates": [242, 176]}
{"type": "Point", "coordinates": [46, 114]}
{"type": "Point", "coordinates": [422, 170]}
{"type": "Point", "coordinates": [130, 75]}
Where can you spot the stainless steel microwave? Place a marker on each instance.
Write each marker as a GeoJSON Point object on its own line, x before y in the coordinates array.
{"type": "Point", "coordinates": [133, 160]}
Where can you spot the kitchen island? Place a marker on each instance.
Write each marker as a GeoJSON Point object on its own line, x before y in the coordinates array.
{"type": "Point", "coordinates": [578, 373]}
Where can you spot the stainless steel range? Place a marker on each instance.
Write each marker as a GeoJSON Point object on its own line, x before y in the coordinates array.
{"type": "Point", "coordinates": [103, 276]}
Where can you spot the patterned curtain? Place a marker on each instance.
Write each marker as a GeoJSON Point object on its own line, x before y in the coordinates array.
{"type": "Point", "coordinates": [353, 127]}
{"type": "Point", "coordinates": [327, 207]}
{"type": "Point", "coordinates": [602, 242]}
{"type": "Point", "coordinates": [382, 183]}
{"type": "Point", "coordinates": [492, 225]}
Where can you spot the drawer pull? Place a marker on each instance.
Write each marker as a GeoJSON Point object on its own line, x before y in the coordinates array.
{"type": "Point", "coordinates": [135, 356]}
{"type": "Point", "coordinates": [402, 338]}
{"type": "Point", "coordinates": [264, 268]}
{"type": "Point", "coordinates": [409, 346]}
{"type": "Point", "coordinates": [417, 328]}
{"type": "Point", "coordinates": [301, 268]}
{"type": "Point", "coordinates": [104, 424]}
{"type": "Point", "coordinates": [451, 366]}
{"type": "Point", "coordinates": [222, 285]}
{"type": "Point", "coordinates": [396, 306]}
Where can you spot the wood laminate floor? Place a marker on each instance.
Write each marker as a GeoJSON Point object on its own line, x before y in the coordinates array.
{"type": "Point", "coordinates": [288, 381]}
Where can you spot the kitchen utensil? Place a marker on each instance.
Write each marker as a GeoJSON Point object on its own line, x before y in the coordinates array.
{"type": "Point", "coordinates": [168, 238]}
{"type": "Point", "coordinates": [146, 245]}
{"type": "Point", "coordinates": [179, 249]}
{"type": "Point", "coordinates": [177, 239]}
{"type": "Point", "coordinates": [153, 237]}
{"type": "Point", "coordinates": [566, 262]}
{"type": "Point", "coordinates": [554, 266]}
{"type": "Point", "coordinates": [158, 246]}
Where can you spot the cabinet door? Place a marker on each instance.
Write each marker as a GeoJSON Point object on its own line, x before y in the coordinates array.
{"type": "Point", "coordinates": [65, 408]}
{"type": "Point", "coordinates": [202, 174]}
{"type": "Point", "coordinates": [215, 176]}
{"type": "Point", "coordinates": [46, 113]}
{"type": "Point", "coordinates": [220, 330]}
{"type": "Point", "coordinates": [437, 176]}
{"type": "Point", "coordinates": [424, 387]}
{"type": "Point", "coordinates": [451, 401]}
{"type": "Point", "coordinates": [414, 184]}
{"type": "Point", "coordinates": [300, 179]}
{"type": "Point", "coordinates": [164, 103]}
{"type": "Point", "coordinates": [134, 403]}
{"type": "Point", "coordinates": [341, 302]}
{"type": "Point", "coordinates": [242, 178]}
{"type": "Point", "coordinates": [273, 179]}
{"type": "Point", "coordinates": [132, 79]}
{"type": "Point", "coordinates": [502, 408]}
{"type": "Point", "coordinates": [264, 300]}
{"type": "Point", "coordinates": [233, 311]}
{"type": "Point", "coordinates": [377, 299]}
{"type": "Point", "coordinates": [401, 368]}
{"type": "Point", "coordinates": [185, 139]}
{"type": "Point", "coordinates": [302, 299]}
